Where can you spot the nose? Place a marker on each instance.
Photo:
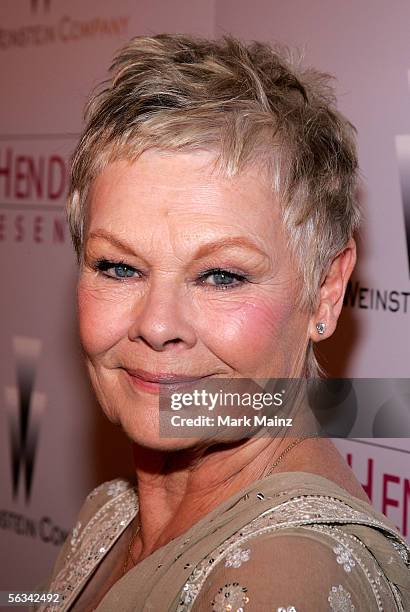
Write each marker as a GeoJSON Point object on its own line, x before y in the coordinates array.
{"type": "Point", "coordinates": [160, 320]}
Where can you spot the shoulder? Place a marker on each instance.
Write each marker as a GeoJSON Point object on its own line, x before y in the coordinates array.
{"type": "Point", "coordinates": [106, 491]}
{"type": "Point", "coordinates": [106, 494]}
{"type": "Point", "coordinates": [293, 558]}
{"type": "Point", "coordinates": [101, 507]}
{"type": "Point", "coordinates": [290, 570]}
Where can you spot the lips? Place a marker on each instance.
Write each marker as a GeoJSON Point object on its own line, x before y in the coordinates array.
{"type": "Point", "coordinates": [160, 381]}
{"type": "Point", "coordinates": [163, 377]}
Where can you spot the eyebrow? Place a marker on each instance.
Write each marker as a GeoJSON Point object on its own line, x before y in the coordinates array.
{"type": "Point", "coordinates": [202, 251]}
{"type": "Point", "coordinates": [232, 241]}
{"type": "Point", "coordinates": [113, 240]}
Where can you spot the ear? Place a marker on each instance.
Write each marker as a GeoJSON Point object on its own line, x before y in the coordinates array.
{"type": "Point", "coordinates": [332, 292]}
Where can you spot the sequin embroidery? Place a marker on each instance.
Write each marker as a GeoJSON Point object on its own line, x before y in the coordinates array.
{"type": "Point", "coordinates": [91, 540]}
{"type": "Point", "coordinates": [236, 557]}
{"type": "Point", "coordinates": [230, 598]}
{"type": "Point", "coordinates": [75, 535]}
{"type": "Point", "coordinates": [369, 569]}
{"type": "Point", "coordinates": [90, 544]}
{"type": "Point", "coordinates": [340, 600]}
{"type": "Point", "coordinates": [402, 552]}
{"type": "Point", "coordinates": [117, 487]}
{"type": "Point", "coordinates": [310, 511]}
{"type": "Point", "coordinates": [344, 557]}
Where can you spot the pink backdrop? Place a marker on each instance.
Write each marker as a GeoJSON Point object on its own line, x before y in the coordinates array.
{"type": "Point", "coordinates": [51, 54]}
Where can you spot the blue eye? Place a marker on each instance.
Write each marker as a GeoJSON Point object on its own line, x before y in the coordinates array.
{"type": "Point", "coordinates": [123, 271]}
{"type": "Point", "coordinates": [222, 279]}
{"type": "Point", "coordinates": [115, 269]}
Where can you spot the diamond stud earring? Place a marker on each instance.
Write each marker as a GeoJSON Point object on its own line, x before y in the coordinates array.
{"type": "Point", "coordinates": [320, 327]}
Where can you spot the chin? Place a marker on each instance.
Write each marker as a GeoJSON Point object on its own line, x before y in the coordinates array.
{"type": "Point", "coordinates": [143, 430]}
{"type": "Point", "coordinates": [152, 441]}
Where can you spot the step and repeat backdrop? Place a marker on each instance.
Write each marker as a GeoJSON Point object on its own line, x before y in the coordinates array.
{"type": "Point", "coordinates": [55, 446]}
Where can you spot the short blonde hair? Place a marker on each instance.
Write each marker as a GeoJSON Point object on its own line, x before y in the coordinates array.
{"type": "Point", "coordinates": [252, 104]}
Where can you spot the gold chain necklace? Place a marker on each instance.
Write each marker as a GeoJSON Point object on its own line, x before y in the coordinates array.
{"type": "Point", "coordinates": [129, 554]}
{"type": "Point", "coordinates": [273, 466]}
{"type": "Point", "coordinates": [287, 449]}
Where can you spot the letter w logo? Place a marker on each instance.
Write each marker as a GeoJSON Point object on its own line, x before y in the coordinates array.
{"type": "Point", "coordinates": [25, 410]}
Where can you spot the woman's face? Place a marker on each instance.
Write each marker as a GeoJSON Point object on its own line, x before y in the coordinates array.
{"type": "Point", "coordinates": [185, 272]}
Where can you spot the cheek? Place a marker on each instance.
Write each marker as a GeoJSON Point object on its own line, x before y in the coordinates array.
{"type": "Point", "coordinates": [102, 320]}
{"type": "Point", "coordinates": [250, 332]}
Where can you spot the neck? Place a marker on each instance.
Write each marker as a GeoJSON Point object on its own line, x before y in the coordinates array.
{"type": "Point", "coordinates": [177, 489]}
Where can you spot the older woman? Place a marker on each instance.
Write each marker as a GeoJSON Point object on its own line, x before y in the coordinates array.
{"type": "Point", "coordinates": [212, 209]}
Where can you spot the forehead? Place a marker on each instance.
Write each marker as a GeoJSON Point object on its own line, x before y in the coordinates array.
{"type": "Point", "coordinates": [181, 188]}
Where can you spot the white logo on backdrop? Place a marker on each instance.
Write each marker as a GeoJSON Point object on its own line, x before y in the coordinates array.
{"type": "Point", "coordinates": [25, 410]}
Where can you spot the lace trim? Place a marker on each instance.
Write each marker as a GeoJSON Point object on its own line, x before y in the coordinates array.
{"type": "Point", "coordinates": [403, 551]}
{"type": "Point", "coordinates": [298, 511]}
{"type": "Point", "coordinates": [237, 557]}
{"type": "Point", "coordinates": [344, 540]}
{"type": "Point", "coordinates": [89, 545]}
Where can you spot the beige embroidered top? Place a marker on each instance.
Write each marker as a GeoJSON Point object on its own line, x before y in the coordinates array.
{"type": "Point", "coordinates": [292, 542]}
